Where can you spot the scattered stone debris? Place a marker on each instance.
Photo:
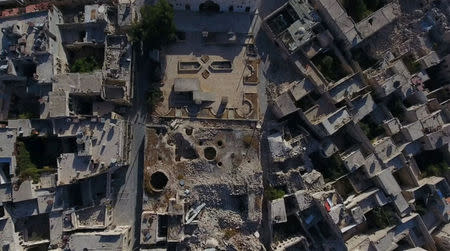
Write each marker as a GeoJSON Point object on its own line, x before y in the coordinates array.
{"type": "Point", "coordinates": [271, 125]}
{"type": "Point", "coordinates": [361, 133]}
{"type": "Point", "coordinates": [65, 82]}
{"type": "Point", "coordinates": [222, 187]}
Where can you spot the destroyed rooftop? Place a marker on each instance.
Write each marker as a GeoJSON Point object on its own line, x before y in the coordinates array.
{"type": "Point", "coordinates": [259, 125]}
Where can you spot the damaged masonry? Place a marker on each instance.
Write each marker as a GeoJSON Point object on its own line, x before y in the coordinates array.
{"type": "Point", "coordinates": [225, 125]}
{"type": "Point", "coordinates": [64, 139]}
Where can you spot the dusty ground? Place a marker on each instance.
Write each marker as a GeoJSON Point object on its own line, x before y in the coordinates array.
{"type": "Point", "coordinates": [407, 33]}
{"type": "Point", "coordinates": [229, 84]}
{"type": "Point", "coordinates": [221, 84]}
{"type": "Point", "coordinates": [228, 182]}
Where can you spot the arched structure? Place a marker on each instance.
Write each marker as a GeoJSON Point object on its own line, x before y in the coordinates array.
{"type": "Point", "coordinates": [209, 6]}
{"type": "Point", "coordinates": [214, 6]}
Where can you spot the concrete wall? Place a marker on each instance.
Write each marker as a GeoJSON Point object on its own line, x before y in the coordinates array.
{"type": "Point", "coordinates": [385, 148]}
{"type": "Point", "coordinates": [326, 15]}
{"type": "Point", "coordinates": [90, 33]}
{"type": "Point", "coordinates": [444, 70]}
{"type": "Point", "coordinates": [335, 121]}
{"type": "Point", "coordinates": [413, 131]}
{"type": "Point", "coordinates": [225, 5]}
{"type": "Point", "coordinates": [56, 48]}
{"type": "Point", "coordinates": [416, 113]}
{"type": "Point", "coordinates": [387, 182]}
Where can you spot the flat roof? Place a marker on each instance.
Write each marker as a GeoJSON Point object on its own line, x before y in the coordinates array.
{"type": "Point", "coordinates": [186, 85]}
{"type": "Point", "coordinates": [58, 104]}
{"type": "Point", "coordinates": [376, 21]}
{"type": "Point", "coordinates": [7, 141]}
{"type": "Point", "coordinates": [79, 82]}
{"type": "Point", "coordinates": [104, 240]}
{"type": "Point", "coordinates": [284, 104]}
{"type": "Point", "coordinates": [301, 89]}
{"type": "Point", "coordinates": [102, 141]}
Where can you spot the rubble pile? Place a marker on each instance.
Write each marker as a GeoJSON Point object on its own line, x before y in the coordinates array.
{"type": "Point", "coordinates": [213, 167]}
{"type": "Point", "coordinates": [62, 138]}
{"type": "Point", "coordinates": [360, 162]}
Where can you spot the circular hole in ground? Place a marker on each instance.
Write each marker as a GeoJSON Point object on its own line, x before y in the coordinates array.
{"type": "Point", "coordinates": [188, 131]}
{"type": "Point", "coordinates": [158, 180]}
{"type": "Point", "coordinates": [200, 143]}
{"type": "Point", "coordinates": [220, 143]}
{"type": "Point", "coordinates": [210, 153]}
{"type": "Point", "coordinates": [219, 163]}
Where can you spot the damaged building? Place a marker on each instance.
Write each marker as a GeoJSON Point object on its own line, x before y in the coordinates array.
{"type": "Point", "coordinates": [62, 139]}
{"type": "Point", "coordinates": [371, 145]}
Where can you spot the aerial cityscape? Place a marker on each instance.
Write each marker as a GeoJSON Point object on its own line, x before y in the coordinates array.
{"type": "Point", "coordinates": [225, 125]}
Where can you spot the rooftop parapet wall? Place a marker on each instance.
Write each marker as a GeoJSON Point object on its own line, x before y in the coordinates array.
{"type": "Point", "coordinates": [338, 21]}
{"type": "Point", "coordinates": [112, 239]}
{"type": "Point", "coordinates": [380, 18]}
{"type": "Point", "coordinates": [101, 149]}
{"type": "Point", "coordinates": [333, 122]}
{"type": "Point", "coordinates": [292, 25]}
{"type": "Point", "coordinates": [344, 27]}
{"type": "Point", "coordinates": [436, 139]}
{"type": "Point", "coordinates": [346, 88]}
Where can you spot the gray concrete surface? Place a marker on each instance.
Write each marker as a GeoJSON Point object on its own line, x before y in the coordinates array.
{"type": "Point", "coordinates": [128, 207]}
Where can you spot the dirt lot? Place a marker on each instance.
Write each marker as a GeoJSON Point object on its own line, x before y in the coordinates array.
{"type": "Point", "coordinates": [209, 164]}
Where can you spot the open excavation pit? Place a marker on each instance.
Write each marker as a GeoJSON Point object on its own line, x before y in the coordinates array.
{"type": "Point", "coordinates": [225, 176]}
{"type": "Point", "coordinates": [158, 181]}
{"type": "Point", "coordinates": [210, 153]}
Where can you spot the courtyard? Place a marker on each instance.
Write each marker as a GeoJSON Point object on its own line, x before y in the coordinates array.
{"type": "Point", "coordinates": [220, 65]}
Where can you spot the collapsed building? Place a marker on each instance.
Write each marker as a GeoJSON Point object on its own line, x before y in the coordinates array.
{"type": "Point", "coordinates": [358, 147]}
{"type": "Point", "coordinates": [368, 148]}
{"type": "Point", "coordinates": [201, 185]}
{"type": "Point", "coordinates": [48, 44]}
{"type": "Point", "coordinates": [62, 139]}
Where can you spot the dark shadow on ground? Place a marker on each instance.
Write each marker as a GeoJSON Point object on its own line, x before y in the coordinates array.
{"type": "Point", "coordinates": [266, 168]}
{"type": "Point", "coordinates": [275, 68]}
{"type": "Point", "coordinates": [139, 191]}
